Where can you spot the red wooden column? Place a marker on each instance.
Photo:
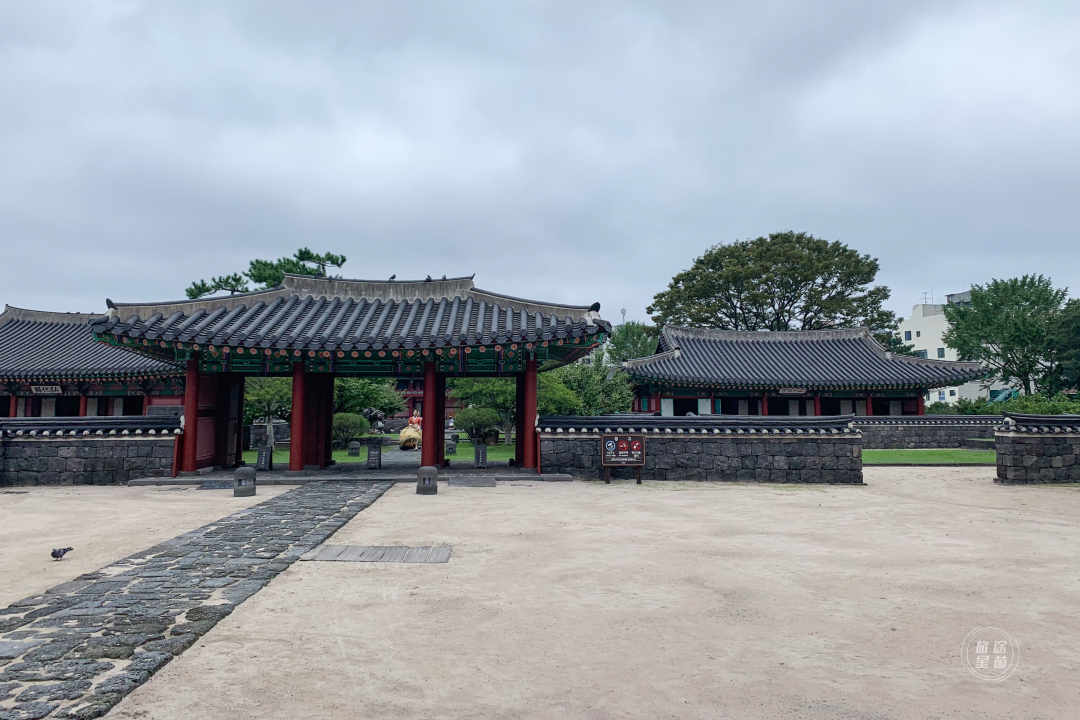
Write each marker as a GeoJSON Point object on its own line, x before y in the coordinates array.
{"type": "Point", "coordinates": [13, 406]}
{"type": "Point", "coordinates": [313, 423]}
{"type": "Point", "coordinates": [529, 448]}
{"type": "Point", "coordinates": [869, 405]}
{"type": "Point", "coordinates": [440, 415]}
{"type": "Point", "coordinates": [519, 420]}
{"type": "Point", "coordinates": [296, 442]}
{"type": "Point", "coordinates": [191, 417]}
{"type": "Point", "coordinates": [240, 424]}
{"type": "Point", "coordinates": [82, 406]}
{"type": "Point", "coordinates": [429, 455]}
{"type": "Point", "coordinates": [764, 404]}
{"type": "Point", "coordinates": [922, 405]}
{"type": "Point", "coordinates": [328, 417]}
{"type": "Point", "coordinates": [817, 405]}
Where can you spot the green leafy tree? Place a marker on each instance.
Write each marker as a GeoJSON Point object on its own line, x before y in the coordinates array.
{"type": "Point", "coordinates": [267, 399]}
{"type": "Point", "coordinates": [348, 427]}
{"type": "Point", "coordinates": [354, 395]}
{"type": "Point", "coordinates": [1009, 326]}
{"type": "Point", "coordinates": [495, 394]}
{"type": "Point", "coordinates": [1060, 404]}
{"type": "Point", "coordinates": [601, 386]}
{"type": "Point", "coordinates": [500, 395]}
{"type": "Point", "coordinates": [476, 422]}
{"type": "Point", "coordinates": [786, 281]}
{"type": "Point", "coordinates": [1066, 341]}
{"type": "Point", "coordinates": [268, 273]}
{"type": "Point", "coordinates": [632, 340]}
{"type": "Point", "coordinates": [895, 345]}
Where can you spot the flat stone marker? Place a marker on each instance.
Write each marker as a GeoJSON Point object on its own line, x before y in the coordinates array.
{"type": "Point", "coordinates": [417, 554]}
{"type": "Point", "coordinates": [380, 553]}
{"type": "Point", "coordinates": [472, 481]}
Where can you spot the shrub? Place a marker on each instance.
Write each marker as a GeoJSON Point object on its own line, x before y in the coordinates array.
{"type": "Point", "coordinates": [1029, 404]}
{"type": "Point", "coordinates": [476, 422]}
{"type": "Point", "coordinates": [348, 427]}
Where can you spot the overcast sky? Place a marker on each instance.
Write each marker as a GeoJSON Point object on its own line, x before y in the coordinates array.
{"type": "Point", "coordinates": [574, 151]}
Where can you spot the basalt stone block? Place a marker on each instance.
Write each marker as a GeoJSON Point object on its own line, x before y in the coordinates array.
{"type": "Point", "coordinates": [427, 481]}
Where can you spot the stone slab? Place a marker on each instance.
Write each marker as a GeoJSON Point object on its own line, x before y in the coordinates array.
{"type": "Point", "coordinates": [380, 553]}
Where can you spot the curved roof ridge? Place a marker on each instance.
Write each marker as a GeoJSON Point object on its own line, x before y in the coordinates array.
{"type": "Point", "coordinates": [12, 313]}
{"type": "Point", "coordinates": [766, 335]}
{"type": "Point", "coordinates": [386, 291]}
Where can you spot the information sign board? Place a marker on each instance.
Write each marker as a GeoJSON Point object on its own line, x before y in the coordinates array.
{"type": "Point", "coordinates": [622, 450]}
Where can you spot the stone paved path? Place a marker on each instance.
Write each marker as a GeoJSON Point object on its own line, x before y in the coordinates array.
{"type": "Point", "coordinates": [76, 650]}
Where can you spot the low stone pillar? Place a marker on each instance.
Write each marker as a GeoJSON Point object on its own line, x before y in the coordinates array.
{"type": "Point", "coordinates": [354, 449]}
{"type": "Point", "coordinates": [245, 482]}
{"type": "Point", "coordinates": [1038, 449]}
{"type": "Point", "coordinates": [427, 481]}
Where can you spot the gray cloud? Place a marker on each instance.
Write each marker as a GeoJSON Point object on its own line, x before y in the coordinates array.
{"type": "Point", "coordinates": [564, 151]}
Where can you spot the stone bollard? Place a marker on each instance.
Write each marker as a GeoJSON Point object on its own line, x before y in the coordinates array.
{"type": "Point", "coordinates": [451, 447]}
{"type": "Point", "coordinates": [354, 449]}
{"type": "Point", "coordinates": [427, 481]}
{"type": "Point", "coordinates": [245, 482]}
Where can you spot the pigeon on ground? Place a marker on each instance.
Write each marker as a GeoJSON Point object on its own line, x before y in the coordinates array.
{"type": "Point", "coordinates": [59, 553]}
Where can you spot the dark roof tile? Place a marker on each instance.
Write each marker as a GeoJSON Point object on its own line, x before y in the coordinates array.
{"type": "Point", "coordinates": [815, 359]}
{"type": "Point", "coordinates": [332, 314]}
{"type": "Point", "coordinates": [48, 345]}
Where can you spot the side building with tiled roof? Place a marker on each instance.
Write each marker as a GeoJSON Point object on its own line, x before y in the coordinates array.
{"type": "Point", "coordinates": [817, 372]}
{"type": "Point", "coordinates": [51, 366]}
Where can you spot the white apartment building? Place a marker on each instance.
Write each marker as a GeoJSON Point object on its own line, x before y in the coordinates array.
{"type": "Point", "coordinates": [924, 329]}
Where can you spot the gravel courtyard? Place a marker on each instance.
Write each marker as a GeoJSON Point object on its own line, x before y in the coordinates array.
{"type": "Point", "coordinates": [671, 600]}
{"type": "Point", "coordinates": [102, 523]}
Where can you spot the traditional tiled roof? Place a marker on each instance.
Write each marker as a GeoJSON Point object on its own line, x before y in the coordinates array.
{"type": "Point", "coordinates": [132, 425]}
{"type": "Point", "coordinates": [310, 313]}
{"type": "Point", "coordinates": [929, 420]}
{"type": "Point", "coordinates": [815, 360]}
{"type": "Point", "coordinates": [571, 425]}
{"type": "Point", "coordinates": [1041, 424]}
{"type": "Point", "coordinates": [36, 345]}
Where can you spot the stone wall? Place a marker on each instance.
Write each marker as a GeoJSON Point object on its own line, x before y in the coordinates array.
{"type": "Point", "coordinates": [84, 461]}
{"type": "Point", "coordinates": [726, 448]}
{"type": "Point", "coordinates": [924, 431]}
{"type": "Point", "coordinates": [1038, 449]}
{"type": "Point", "coordinates": [86, 450]}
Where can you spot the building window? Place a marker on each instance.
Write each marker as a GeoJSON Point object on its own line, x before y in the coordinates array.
{"type": "Point", "coordinates": [918, 333]}
{"type": "Point", "coordinates": [941, 353]}
{"type": "Point", "coordinates": [941, 396]}
{"type": "Point", "coordinates": [920, 353]}
{"type": "Point", "coordinates": [952, 393]}
{"type": "Point", "coordinates": [907, 334]}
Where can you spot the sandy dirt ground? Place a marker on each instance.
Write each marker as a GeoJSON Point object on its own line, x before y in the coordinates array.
{"type": "Point", "coordinates": [103, 523]}
{"type": "Point", "coordinates": [668, 600]}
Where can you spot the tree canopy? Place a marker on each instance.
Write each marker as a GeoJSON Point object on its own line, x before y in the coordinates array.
{"type": "Point", "coordinates": [1009, 325]}
{"type": "Point", "coordinates": [786, 281]}
{"type": "Point", "coordinates": [500, 396]}
{"type": "Point", "coordinates": [268, 273]}
{"type": "Point", "coordinates": [267, 398]}
{"type": "Point", "coordinates": [600, 386]}
{"type": "Point", "coordinates": [632, 340]}
{"type": "Point", "coordinates": [1066, 340]}
{"type": "Point", "coordinates": [354, 395]}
